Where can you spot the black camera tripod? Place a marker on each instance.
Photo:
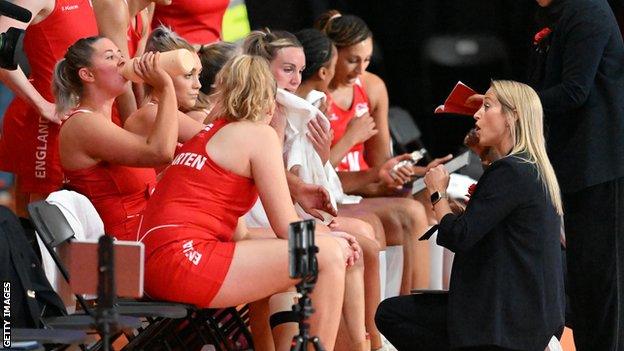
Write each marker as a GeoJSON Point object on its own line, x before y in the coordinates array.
{"type": "Point", "coordinates": [303, 264]}
{"type": "Point", "coordinates": [304, 310]}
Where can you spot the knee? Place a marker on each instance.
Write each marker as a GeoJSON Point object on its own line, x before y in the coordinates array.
{"type": "Point", "coordinates": [364, 229]}
{"type": "Point", "coordinates": [331, 259]}
{"type": "Point", "coordinates": [412, 213]}
{"type": "Point", "coordinates": [370, 249]}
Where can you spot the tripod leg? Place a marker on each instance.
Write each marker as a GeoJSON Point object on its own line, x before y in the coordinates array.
{"type": "Point", "coordinates": [298, 344]}
{"type": "Point", "coordinates": [317, 344]}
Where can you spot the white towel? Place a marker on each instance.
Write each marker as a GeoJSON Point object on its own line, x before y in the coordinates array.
{"type": "Point", "coordinates": [86, 224]}
{"type": "Point", "coordinates": [299, 151]}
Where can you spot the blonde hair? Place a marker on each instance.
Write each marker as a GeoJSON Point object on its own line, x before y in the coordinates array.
{"type": "Point", "coordinates": [163, 39]}
{"type": "Point", "coordinates": [266, 43]}
{"type": "Point", "coordinates": [245, 90]}
{"type": "Point", "coordinates": [527, 131]}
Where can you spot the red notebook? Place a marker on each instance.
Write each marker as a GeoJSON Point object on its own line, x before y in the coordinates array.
{"type": "Point", "coordinates": [456, 101]}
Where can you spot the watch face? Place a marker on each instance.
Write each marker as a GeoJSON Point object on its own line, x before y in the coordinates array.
{"type": "Point", "coordinates": [435, 197]}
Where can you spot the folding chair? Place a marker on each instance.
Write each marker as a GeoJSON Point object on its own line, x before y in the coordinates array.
{"type": "Point", "coordinates": [164, 319]}
{"type": "Point", "coordinates": [54, 230]}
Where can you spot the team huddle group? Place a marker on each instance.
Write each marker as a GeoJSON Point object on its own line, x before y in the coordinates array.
{"type": "Point", "coordinates": [182, 161]}
{"type": "Point", "coordinates": [208, 166]}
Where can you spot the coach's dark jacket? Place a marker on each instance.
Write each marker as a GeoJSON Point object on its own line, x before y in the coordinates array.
{"type": "Point", "coordinates": [507, 282]}
{"type": "Point", "coordinates": [578, 71]}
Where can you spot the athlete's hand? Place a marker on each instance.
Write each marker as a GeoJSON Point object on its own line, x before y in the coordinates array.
{"type": "Point", "coordinates": [321, 137]}
{"type": "Point", "coordinates": [350, 247]}
{"type": "Point", "coordinates": [312, 198]}
{"type": "Point", "coordinates": [148, 68]}
{"type": "Point", "coordinates": [360, 129]}
{"type": "Point", "coordinates": [396, 178]}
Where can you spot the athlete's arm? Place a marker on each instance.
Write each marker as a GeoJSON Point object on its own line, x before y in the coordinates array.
{"type": "Point", "coordinates": [16, 80]}
{"type": "Point", "coordinates": [377, 147]}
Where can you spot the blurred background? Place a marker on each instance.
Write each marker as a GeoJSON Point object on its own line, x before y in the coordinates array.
{"type": "Point", "coordinates": [423, 47]}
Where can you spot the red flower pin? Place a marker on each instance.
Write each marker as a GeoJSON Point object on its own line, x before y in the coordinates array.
{"type": "Point", "coordinates": [471, 190]}
{"type": "Point", "coordinates": [539, 36]}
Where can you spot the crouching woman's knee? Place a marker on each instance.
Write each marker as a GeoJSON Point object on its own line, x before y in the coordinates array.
{"type": "Point", "coordinates": [383, 318]}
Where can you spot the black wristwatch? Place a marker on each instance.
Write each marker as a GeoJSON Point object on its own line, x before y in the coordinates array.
{"type": "Point", "coordinates": [437, 196]}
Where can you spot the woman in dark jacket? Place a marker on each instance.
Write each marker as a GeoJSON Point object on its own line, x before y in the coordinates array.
{"type": "Point", "coordinates": [506, 287]}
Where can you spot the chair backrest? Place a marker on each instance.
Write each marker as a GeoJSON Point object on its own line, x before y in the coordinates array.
{"type": "Point", "coordinates": [50, 223]}
{"type": "Point", "coordinates": [403, 129]}
{"type": "Point", "coordinates": [53, 229]}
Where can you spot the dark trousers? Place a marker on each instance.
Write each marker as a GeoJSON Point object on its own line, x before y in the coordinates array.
{"type": "Point", "coordinates": [417, 323]}
{"type": "Point", "coordinates": [594, 226]}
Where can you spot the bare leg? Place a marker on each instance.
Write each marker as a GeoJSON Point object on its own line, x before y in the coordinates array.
{"type": "Point", "coordinates": [360, 212]}
{"type": "Point", "coordinates": [259, 325]}
{"type": "Point", "coordinates": [260, 268]}
{"type": "Point", "coordinates": [370, 249]}
{"type": "Point", "coordinates": [353, 307]}
{"type": "Point", "coordinates": [404, 220]}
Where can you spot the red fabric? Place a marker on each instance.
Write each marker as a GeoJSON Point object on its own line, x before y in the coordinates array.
{"type": "Point", "coordinates": [199, 22]}
{"type": "Point", "coordinates": [339, 119]}
{"type": "Point", "coordinates": [189, 223]}
{"type": "Point", "coordinates": [29, 145]}
{"type": "Point", "coordinates": [171, 273]}
{"type": "Point", "coordinates": [118, 193]}
{"type": "Point", "coordinates": [134, 35]}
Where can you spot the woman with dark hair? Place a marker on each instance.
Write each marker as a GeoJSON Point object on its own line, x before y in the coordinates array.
{"type": "Point", "coordinates": [111, 166]}
{"type": "Point", "coordinates": [506, 289]}
{"type": "Point", "coordinates": [358, 112]}
{"type": "Point", "coordinates": [320, 62]}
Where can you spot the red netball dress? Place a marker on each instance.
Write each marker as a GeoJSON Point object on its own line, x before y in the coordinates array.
{"type": "Point", "coordinates": [339, 120]}
{"type": "Point", "coordinates": [29, 145]}
{"type": "Point", "coordinates": [199, 22]}
{"type": "Point", "coordinates": [189, 224]}
{"type": "Point", "coordinates": [118, 193]}
{"type": "Point", "coordinates": [135, 33]}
